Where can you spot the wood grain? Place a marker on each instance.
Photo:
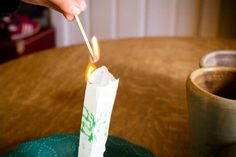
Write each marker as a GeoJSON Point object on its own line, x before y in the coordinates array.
{"type": "Point", "coordinates": [42, 93]}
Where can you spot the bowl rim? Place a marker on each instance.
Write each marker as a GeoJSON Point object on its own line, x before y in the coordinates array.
{"type": "Point", "coordinates": [205, 57]}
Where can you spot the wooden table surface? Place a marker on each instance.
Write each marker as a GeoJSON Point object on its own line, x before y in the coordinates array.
{"type": "Point", "coordinates": [42, 93]}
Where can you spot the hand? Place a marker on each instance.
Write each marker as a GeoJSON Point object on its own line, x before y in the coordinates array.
{"type": "Point", "coordinates": [69, 8]}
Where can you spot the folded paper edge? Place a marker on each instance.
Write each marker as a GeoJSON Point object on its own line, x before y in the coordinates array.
{"type": "Point", "coordinates": [111, 80]}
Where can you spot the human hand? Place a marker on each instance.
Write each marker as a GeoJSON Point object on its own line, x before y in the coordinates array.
{"type": "Point", "coordinates": [69, 8]}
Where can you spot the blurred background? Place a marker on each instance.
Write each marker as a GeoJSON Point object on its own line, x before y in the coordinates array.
{"type": "Point", "coordinates": [115, 19]}
{"type": "Point", "coordinates": [112, 19]}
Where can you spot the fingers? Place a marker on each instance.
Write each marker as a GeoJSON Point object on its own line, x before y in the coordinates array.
{"type": "Point", "coordinates": [70, 8]}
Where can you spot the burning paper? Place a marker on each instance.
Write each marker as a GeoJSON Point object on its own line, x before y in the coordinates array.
{"type": "Point", "coordinates": [98, 104]}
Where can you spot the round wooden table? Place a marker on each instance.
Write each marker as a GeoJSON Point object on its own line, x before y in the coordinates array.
{"type": "Point", "coordinates": [42, 93]}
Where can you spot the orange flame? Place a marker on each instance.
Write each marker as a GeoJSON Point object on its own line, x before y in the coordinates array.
{"type": "Point", "coordinates": [89, 70]}
{"type": "Point", "coordinates": [93, 58]}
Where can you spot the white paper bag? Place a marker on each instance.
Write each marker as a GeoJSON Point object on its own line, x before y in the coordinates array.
{"type": "Point", "coordinates": [98, 104]}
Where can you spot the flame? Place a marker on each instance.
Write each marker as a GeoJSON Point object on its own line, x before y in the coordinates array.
{"type": "Point", "coordinates": [89, 70]}
{"type": "Point", "coordinates": [96, 50]}
{"type": "Point", "coordinates": [93, 58]}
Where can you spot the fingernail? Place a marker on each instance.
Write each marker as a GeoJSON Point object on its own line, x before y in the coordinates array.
{"type": "Point", "coordinates": [70, 18]}
{"type": "Point", "coordinates": [75, 10]}
{"type": "Point", "coordinates": [83, 6]}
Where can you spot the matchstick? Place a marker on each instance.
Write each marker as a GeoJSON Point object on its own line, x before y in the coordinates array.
{"type": "Point", "coordinates": [84, 35]}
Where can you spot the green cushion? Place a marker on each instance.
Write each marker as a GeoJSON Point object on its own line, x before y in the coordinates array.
{"type": "Point", "coordinates": [66, 145]}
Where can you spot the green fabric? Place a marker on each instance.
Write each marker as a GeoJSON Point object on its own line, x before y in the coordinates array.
{"type": "Point", "coordinates": [66, 145]}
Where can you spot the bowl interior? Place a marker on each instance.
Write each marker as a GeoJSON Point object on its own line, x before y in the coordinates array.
{"type": "Point", "coordinates": [220, 83]}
